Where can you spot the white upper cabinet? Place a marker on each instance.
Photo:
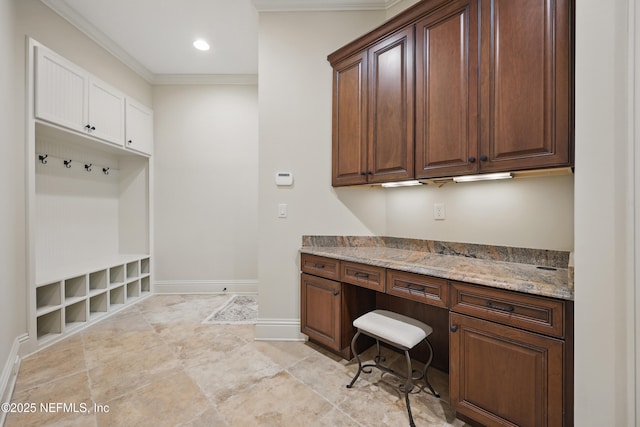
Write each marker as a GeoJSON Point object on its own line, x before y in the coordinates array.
{"type": "Point", "coordinates": [106, 112]}
{"type": "Point", "coordinates": [139, 127]}
{"type": "Point", "coordinates": [61, 91]}
{"type": "Point", "coordinates": [68, 96]}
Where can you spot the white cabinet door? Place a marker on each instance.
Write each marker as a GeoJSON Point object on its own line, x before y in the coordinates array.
{"type": "Point", "coordinates": [139, 127]}
{"type": "Point", "coordinates": [106, 112]}
{"type": "Point", "coordinates": [61, 91]}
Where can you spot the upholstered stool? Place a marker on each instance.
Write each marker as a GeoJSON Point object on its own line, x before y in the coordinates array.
{"type": "Point", "coordinates": [398, 331]}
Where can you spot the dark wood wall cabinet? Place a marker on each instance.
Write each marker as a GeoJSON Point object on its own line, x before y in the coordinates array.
{"type": "Point", "coordinates": [455, 87]}
{"type": "Point", "coordinates": [509, 354]}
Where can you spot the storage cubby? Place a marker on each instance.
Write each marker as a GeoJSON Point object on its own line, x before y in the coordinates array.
{"type": "Point", "coordinates": [116, 296]}
{"type": "Point", "coordinates": [48, 297]}
{"type": "Point", "coordinates": [132, 269]}
{"type": "Point", "coordinates": [75, 314]}
{"type": "Point", "coordinates": [75, 288]}
{"type": "Point", "coordinates": [97, 281]}
{"type": "Point", "coordinates": [145, 285]}
{"type": "Point", "coordinates": [144, 266]}
{"type": "Point", "coordinates": [133, 289]}
{"type": "Point", "coordinates": [98, 305]}
{"type": "Point", "coordinates": [116, 275]}
{"type": "Point", "coordinates": [49, 325]}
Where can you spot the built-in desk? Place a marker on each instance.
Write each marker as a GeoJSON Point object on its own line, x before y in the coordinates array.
{"type": "Point", "coordinates": [503, 327]}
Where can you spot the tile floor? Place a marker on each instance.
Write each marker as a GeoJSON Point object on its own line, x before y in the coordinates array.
{"type": "Point", "coordinates": [155, 364]}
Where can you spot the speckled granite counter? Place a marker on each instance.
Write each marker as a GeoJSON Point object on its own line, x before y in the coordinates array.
{"type": "Point", "coordinates": [517, 269]}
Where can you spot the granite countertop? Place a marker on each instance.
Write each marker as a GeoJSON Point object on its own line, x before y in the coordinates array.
{"type": "Point", "coordinates": [516, 269]}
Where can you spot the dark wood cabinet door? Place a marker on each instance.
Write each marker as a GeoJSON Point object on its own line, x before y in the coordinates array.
{"type": "Point", "coordinates": [447, 91]}
{"type": "Point", "coordinates": [320, 311]}
{"type": "Point", "coordinates": [391, 109]}
{"type": "Point", "coordinates": [527, 84]}
{"type": "Point", "coordinates": [349, 162]}
{"type": "Point", "coordinates": [503, 376]}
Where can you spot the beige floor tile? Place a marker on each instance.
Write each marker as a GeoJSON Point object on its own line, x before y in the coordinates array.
{"type": "Point", "coordinates": [165, 402]}
{"type": "Point", "coordinates": [237, 371]}
{"type": "Point", "coordinates": [62, 359]}
{"type": "Point", "coordinates": [59, 401]}
{"type": "Point", "coordinates": [277, 401]}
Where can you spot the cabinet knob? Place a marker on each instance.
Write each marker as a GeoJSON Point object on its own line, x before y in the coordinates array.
{"type": "Point", "coordinates": [369, 173]}
{"type": "Point", "coordinates": [472, 159]}
{"type": "Point", "coordinates": [453, 328]}
{"type": "Point", "coordinates": [483, 158]}
{"type": "Point", "coordinates": [129, 142]}
{"type": "Point", "coordinates": [363, 173]}
{"type": "Point", "coordinates": [336, 293]}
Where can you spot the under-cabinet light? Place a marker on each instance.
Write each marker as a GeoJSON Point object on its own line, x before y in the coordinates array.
{"type": "Point", "coordinates": [201, 44]}
{"type": "Point", "coordinates": [401, 184]}
{"type": "Point", "coordinates": [484, 177]}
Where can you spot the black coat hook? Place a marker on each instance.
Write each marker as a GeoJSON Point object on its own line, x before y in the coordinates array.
{"type": "Point", "coordinates": [105, 171]}
{"type": "Point", "coordinates": [43, 159]}
{"type": "Point", "coordinates": [67, 163]}
{"type": "Point", "coordinates": [87, 167]}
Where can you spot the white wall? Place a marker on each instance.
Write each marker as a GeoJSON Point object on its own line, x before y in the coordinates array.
{"type": "Point", "coordinates": [12, 211]}
{"type": "Point", "coordinates": [295, 135]}
{"type": "Point", "coordinates": [524, 212]}
{"type": "Point", "coordinates": [206, 184]}
{"type": "Point", "coordinates": [604, 312]}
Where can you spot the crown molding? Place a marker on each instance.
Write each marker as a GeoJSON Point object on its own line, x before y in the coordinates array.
{"type": "Point", "coordinates": [78, 21]}
{"type": "Point", "coordinates": [205, 79]}
{"type": "Point", "coordinates": [322, 5]}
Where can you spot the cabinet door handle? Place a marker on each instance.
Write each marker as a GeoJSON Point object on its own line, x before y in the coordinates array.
{"type": "Point", "coordinates": [369, 173]}
{"type": "Point", "coordinates": [336, 293]}
{"type": "Point", "coordinates": [361, 275]}
{"type": "Point", "coordinates": [363, 173]}
{"type": "Point", "coordinates": [453, 328]}
{"type": "Point", "coordinates": [484, 158]}
{"type": "Point", "coordinates": [129, 142]}
{"type": "Point", "coordinates": [472, 159]}
{"type": "Point", "coordinates": [508, 308]}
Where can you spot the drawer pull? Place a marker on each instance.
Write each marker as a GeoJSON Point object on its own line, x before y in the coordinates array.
{"type": "Point", "coordinates": [362, 275]}
{"type": "Point", "coordinates": [411, 289]}
{"type": "Point", "coordinates": [320, 266]}
{"type": "Point", "coordinates": [508, 309]}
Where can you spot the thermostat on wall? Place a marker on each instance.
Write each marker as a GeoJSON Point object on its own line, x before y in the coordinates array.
{"type": "Point", "coordinates": [284, 178]}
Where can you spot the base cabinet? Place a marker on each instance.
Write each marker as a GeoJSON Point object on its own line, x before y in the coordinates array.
{"type": "Point", "coordinates": [320, 310]}
{"type": "Point", "coordinates": [503, 376]}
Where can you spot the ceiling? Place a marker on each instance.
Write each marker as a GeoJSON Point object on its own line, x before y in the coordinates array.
{"type": "Point", "coordinates": [154, 37]}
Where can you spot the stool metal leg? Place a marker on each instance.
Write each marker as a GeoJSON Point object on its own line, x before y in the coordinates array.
{"type": "Point", "coordinates": [426, 367]}
{"type": "Point", "coordinates": [408, 386]}
{"type": "Point", "coordinates": [353, 350]}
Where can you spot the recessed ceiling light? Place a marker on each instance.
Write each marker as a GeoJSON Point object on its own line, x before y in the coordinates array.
{"type": "Point", "coordinates": [200, 44]}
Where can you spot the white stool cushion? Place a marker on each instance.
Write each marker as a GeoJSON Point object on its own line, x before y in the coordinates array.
{"type": "Point", "coordinates": [393, 328]}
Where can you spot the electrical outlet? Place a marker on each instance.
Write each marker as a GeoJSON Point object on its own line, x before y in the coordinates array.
{"type": "Point", "coordinates": [438, 211]}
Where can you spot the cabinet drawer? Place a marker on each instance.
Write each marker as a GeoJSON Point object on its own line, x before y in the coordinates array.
{"type": "Point", "coordinates": [320, 266]}
{"type": "Point", "coordinates": [530, 312]}
{"type": "Point", "coordinates": [424, 289]}
{"type": "Point", "coordinates": [367, 276]}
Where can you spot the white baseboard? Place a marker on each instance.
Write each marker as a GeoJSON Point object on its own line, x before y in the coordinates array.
{"type": "Point", "coordinates": [10, 372]}
{"type": "Point", "coordinates": [278, 330]}
{"type": "Point", "coordinates": [205, 286]}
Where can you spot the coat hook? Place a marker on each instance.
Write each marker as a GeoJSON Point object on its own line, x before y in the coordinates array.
{"type": "Point", "coordinates": [43, 159]}
{"type": "Point", "coordinates": [67, 163]}
{"type": "Point", "coordinates": [87, 167]}
{"type": "Point", "coordinates": [105, 171]}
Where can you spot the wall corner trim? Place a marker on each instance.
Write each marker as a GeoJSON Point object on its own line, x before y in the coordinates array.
{"type": "Point", "coordinates": [10, 371]}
